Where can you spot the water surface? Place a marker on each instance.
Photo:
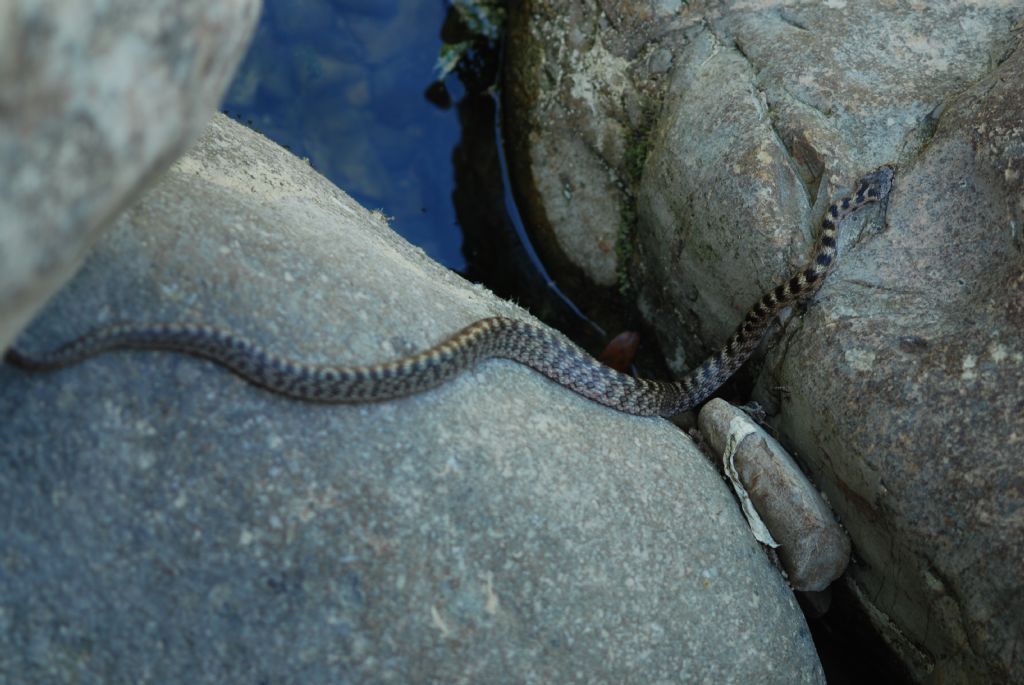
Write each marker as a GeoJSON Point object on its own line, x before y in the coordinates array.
{"type": "Point", "coordinates": [342, 82]}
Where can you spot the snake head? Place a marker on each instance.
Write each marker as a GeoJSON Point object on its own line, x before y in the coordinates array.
{"type": "Point", "coordinates": [876, 186]}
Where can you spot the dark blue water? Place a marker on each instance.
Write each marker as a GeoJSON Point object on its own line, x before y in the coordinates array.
{"type": "Point", "coordinates": [342, 83]}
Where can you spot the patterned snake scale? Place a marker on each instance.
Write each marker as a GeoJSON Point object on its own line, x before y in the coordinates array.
{"type": "Point", "coordinates": [536, 347]}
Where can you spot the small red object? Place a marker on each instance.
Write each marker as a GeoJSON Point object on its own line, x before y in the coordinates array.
{"type": "Point", "coordinates": [621, 351]}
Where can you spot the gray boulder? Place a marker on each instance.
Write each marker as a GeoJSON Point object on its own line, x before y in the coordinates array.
{"type": "Point", "coordinates": [579, 95]}
{"type": "Point", "coordinates": [97, 98]}
{"type": "Point", "coordinates": [918, 418]}
{"type": "Point", "coordinates": [902, 389]}
{"type": "Point", "coordinates": [168, 522]}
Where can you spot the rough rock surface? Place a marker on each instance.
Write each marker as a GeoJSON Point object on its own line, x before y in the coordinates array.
{"type": "Point", "coordinates": [96, 99]}
{"type": "Point", "coordinates": [576, 92]}
{"type": "Point", "coordinates": [168, 522]}
{"type": "Point", "coordinates": [903, 384]}
{"type": "Point", "coordinates": [920, 420]}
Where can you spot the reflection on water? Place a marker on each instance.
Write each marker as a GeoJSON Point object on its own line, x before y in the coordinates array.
{"type": "Point", "coordinates": [341, 82]}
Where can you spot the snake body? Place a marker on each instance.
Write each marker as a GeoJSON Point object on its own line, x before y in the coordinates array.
{"type": "Point", "coordinates": [534, 346]}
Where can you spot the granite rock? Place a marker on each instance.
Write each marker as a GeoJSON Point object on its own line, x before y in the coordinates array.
{"type": "Point", "coordinates": [168, 522]}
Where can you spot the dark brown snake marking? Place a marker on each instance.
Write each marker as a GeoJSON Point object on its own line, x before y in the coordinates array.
{"type": "Point", "coordinates": [539, 348]}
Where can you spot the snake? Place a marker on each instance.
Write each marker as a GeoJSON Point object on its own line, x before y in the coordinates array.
{"type": "Point", "coordinates": [532, 345]}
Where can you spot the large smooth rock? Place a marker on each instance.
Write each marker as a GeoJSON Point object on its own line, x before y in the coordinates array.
{"type": "Point", "coordinates": [168, 522]}
{"type": "Point", "coordinates": [96, 99]}
{"type": "Point", "coordinates": [902, 390]}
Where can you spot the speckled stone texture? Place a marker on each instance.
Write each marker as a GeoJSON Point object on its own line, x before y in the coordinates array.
{"type": "Point", "coordinates": [920, 419]}
{"type": "Point", "coordinates": [167, 522]}
{"type": "Point", "coordinates": [579, 83]}
{"type": "Point", "coordinates": [902, 390]}
{"type": "Point", "coordinates": [97, 98]}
